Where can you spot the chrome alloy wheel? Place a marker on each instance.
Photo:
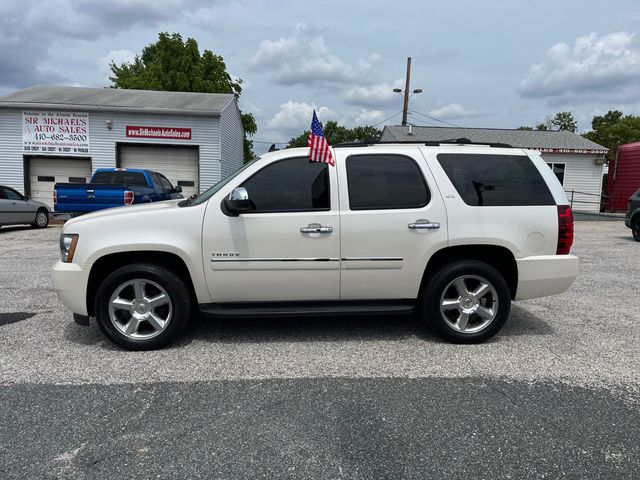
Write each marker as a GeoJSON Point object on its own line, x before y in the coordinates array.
{"type": "Point", "coordinates": [41, 219]}
{"type": "Point", "coordinates": [469, 304]}
{"type": "Point", "coordinates": [140, 309]}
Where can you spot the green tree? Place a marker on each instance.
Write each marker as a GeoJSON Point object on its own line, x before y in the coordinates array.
{"type": "Point", "coordinates": [613, 129]}
{"type": "Point", "coordinates": [524, 127]}
{"type": "Point", "coordinates": [335, 133]}
{"type": "Point", "coordinates": [565, 121]}
{"type": "Point", "coordinates": [542, 126]}
{"type": "Point", "coordinates": [172, 64]}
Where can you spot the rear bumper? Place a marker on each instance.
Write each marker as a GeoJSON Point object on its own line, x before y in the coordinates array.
{"type": "Point", "coordinates": [70, 282]}
{"type": "Point", "coordinates": [545, 275]}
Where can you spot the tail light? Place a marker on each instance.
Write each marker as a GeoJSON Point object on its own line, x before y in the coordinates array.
{"type": "Point", "coordinates": [55, 198]}
{"type": "Point", "coordinates": [128, 197]}
{"type": "Point", "coordinates": [565, 230]}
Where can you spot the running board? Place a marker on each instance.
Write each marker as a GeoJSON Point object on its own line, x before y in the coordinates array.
{"type": "Point", "coordinates": [307, 309]}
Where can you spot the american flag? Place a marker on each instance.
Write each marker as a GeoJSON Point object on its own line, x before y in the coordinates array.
{"type": "Point", "coordinates": [319, 150]}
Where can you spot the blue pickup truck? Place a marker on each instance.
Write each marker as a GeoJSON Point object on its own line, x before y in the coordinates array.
{"type": "Point", "coordinates": [113, 187]}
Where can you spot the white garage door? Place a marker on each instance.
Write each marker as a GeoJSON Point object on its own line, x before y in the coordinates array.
{"type": "Point", "coordinates": [45, 172]}
{"type": "Point", "coordinates": [178, 164]}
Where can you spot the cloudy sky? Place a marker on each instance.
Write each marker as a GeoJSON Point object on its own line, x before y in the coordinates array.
{"type": "Point", "coordinates": [495, 63]}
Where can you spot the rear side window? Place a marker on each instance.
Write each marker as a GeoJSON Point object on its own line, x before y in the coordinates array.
{"type": "Point", "coordinates": [496, 180]}
{"type": "Point", "coordinates": [383, 181]}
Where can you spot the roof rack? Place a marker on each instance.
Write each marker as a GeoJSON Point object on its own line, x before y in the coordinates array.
{"type": "Point", "coordinates": [430, 143]}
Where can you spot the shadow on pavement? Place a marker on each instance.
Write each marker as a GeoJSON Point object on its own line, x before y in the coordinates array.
{"type": "Point", "coordinates": [312, 329]}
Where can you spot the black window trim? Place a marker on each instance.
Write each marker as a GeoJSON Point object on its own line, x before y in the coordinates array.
{"type": "Point", "coordinates": [424, 182]}
{"type": "Point", "coordinates": [300, 210]}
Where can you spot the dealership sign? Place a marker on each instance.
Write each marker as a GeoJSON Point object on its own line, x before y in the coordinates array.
{"type": "Point", "coordinates": [159, 132]}
{"type": "Point", "coordinates": [55, 133]}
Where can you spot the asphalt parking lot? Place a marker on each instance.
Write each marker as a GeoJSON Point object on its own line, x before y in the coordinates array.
{"type": "Point", "coordinates": [556, 394]}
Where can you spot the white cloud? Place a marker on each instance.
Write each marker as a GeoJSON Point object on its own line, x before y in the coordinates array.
{"type": "Point", "coordinates": [304, 58]}
{"type": "Point", "coordinates": [379, 95]}
{"type": "Point", "coordinates": [451, 111]}
{"type": "Point", "coordinates": [595, 66]}
{"type": "Point", "coordinates": [117, 56]}
{"type": "Point", "coordinates": [369, 117]}
{"type": "Point", "coordinates": [297, 116]}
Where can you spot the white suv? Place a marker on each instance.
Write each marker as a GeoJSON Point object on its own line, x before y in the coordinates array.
{"type": "Point", "coordinates": [453, 230]}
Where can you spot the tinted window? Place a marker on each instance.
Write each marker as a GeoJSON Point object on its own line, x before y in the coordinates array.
{"type": "Point", "coordinates": [155, 178]}
{"type": "Point", "coordinates": [130, 179]}
{"type": "Point", "coordinates": [291, 185]}
{"type": "Point", "coordinates": [2, 195]}
{"type": "Point", "coordinates": [166, 183]}
{"type": "Point", "coordinates": [12, 194]}
{"type": "Point", "coordinates": [496, 180]}
{"type": "Point", "coordinates": [385, 181]}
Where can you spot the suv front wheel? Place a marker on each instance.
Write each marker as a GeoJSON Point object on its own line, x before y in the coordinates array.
{"type": "Point", "coordinates": [142, 306]}
{"type": "Point", "coordinates": [467, 301]}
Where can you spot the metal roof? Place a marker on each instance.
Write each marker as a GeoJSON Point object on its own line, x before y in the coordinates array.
{"type": "Point", "coordinates": [544, 140]}
{"type": "Point", "coordinates": [112, 99]}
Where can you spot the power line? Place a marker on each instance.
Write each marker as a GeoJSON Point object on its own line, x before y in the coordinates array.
{"type": "Point", "coordinates": [436, 119]}
{"type": "Point", "coordinates": [387, 119]}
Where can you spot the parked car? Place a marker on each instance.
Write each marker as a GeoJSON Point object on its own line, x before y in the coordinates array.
{"type": "Point", "coordinates": [113, 187]}
{"type": "Point", "coordinates": [452, 231]}
{"type": "Point", "coordinates": [632, 218]}
{"type": "Point", "coordinates": [18, 209]}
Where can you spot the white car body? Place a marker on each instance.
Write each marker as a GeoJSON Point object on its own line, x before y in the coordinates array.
{"type": "Point", "coordinates": [369, 255]}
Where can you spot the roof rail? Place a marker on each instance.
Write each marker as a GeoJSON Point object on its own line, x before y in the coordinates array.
{"type": "Point", "coordinates": [430, 143]}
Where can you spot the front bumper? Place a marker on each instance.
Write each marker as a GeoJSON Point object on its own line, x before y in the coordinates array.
{"type": "Point", "coordinates": [70, 282]}
{"type": "Point", "coordinates": [544, 275]}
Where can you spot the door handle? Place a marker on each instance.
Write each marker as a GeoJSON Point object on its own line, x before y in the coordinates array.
{"type": "Point", "coordinates": [316, 228]}
{"type": "Point", "coordinates": [424, 225]}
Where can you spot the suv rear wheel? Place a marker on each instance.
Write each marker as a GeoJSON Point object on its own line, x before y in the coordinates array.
{"type": "Point", "coordinates": [635, 228]}
{"type": "Point", "coordinates": [467, 301]}
{"type": "Point", "coordinates": [142, 306]}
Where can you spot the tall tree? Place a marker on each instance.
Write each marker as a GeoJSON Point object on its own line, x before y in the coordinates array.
{"type": "Point", "coordinates": [613, 129]}
{"type": "Point", "coordinates": [172, 64]}
{"type": "Point", "coordinates": [335, 133]}
{"type": "Point", "coordinates": [565, 121]}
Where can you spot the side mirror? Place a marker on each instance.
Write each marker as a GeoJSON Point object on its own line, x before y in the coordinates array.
{"type": "Point", "coordinates": [177, 189]}
{"type": "Point", "coordinates": [238, 201]}
{"type": "Point", "coordinates": [27, 197]}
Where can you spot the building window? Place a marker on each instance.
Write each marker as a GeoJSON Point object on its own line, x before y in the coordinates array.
{"type": "Point", "coordinates": [558, 169]}
{"type": "Point", "coordinates": [46, 178]}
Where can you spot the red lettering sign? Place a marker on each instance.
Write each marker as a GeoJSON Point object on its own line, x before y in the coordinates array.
{"type": "Point", "coordinates": [158, 132]}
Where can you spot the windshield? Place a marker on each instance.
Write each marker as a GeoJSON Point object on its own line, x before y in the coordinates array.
{"type": "Point", "coordinates": [207, 194]}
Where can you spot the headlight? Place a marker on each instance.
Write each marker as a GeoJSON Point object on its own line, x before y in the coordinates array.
{"type": "Point", "coordinates": [68, 246]}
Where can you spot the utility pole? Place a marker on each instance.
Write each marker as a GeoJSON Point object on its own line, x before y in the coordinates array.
{"type": "Point", "coordinates": [405, 108]}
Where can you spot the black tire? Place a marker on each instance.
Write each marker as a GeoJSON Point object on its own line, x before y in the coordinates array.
{"type": "Point", "coordinates": [153, 276]}
{"type": "Point", "coordinates": [635, 228]}
{"type": "Point", "coordinates": [41, 219]}
{"type": "Point", "coordinates": [439, 288]}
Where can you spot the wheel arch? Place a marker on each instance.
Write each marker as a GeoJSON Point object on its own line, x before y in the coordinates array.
{"type": "Point", "coordinates": [109, 263]}
{"type": "Point", "coordinates": [501, 258]}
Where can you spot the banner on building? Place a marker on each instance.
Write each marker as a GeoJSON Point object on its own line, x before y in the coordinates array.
{"type": "Point", "coordinates": [158, 132]}
{"type": "Point", "coordinates": [55, 133]}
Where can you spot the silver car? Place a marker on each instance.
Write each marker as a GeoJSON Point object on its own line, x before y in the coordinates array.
{"type": "Point", "coordinates": [16, 209]}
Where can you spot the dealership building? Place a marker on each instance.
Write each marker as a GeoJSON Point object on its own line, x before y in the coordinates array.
{"type": "Point", "coordinates": [51, 134]}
